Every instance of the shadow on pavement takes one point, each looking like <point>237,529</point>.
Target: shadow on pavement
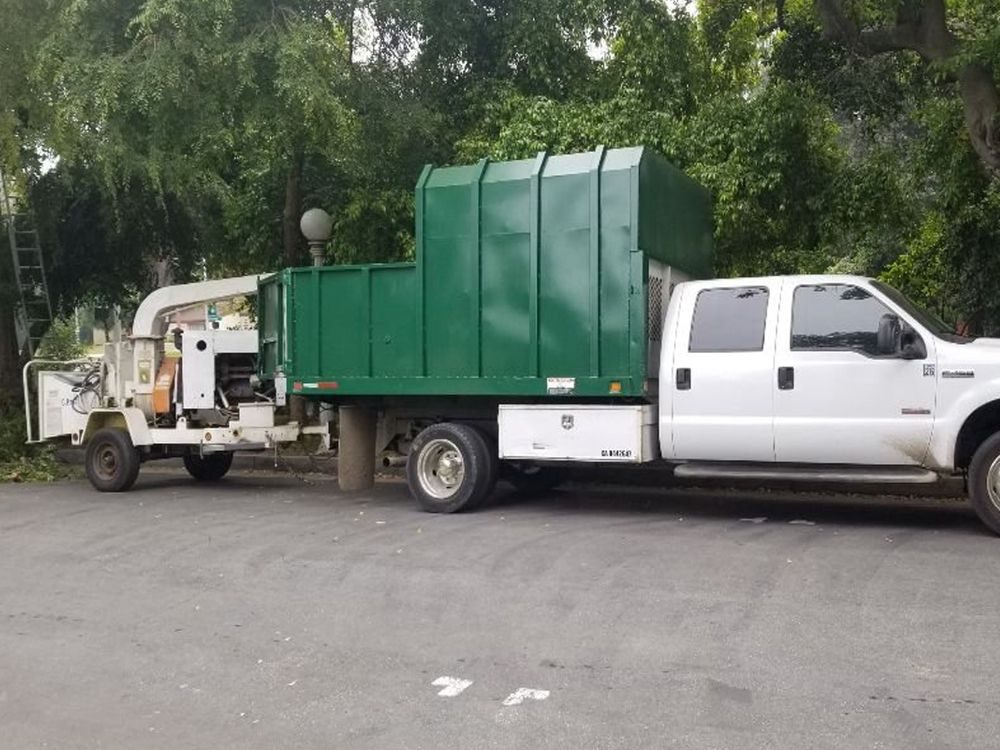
<point>745,505</point>
<point>707,504</point>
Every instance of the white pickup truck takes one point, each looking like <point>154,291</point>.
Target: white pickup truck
<point>827,377</point>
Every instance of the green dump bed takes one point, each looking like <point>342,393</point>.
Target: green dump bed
<point>541,277</point>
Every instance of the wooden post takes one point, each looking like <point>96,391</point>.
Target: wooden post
<point>356,457</point>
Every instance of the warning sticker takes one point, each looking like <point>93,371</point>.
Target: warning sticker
<point>560,386</point>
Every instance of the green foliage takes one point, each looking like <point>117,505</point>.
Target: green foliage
<point>921,271</point>
<point>185,131</point>
<point>20,462</point>
<point>61,342</point>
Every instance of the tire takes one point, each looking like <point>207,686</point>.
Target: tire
<point>492,464</point>
<point>448,468</point>
<point>208,468</point>
<point>532,480</point>
<point>984,482</point>
<point>112,462</point>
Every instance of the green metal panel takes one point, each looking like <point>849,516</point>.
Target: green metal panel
<point>525,270</point>
<point>393,305</point>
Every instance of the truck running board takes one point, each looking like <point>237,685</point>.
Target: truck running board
<point>868,474</point>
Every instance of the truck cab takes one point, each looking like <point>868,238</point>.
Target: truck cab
<point>829,376</point>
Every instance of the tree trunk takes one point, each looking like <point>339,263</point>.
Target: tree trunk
<point>982,107</point>
<point>291,235</point>
<point>10,362</point>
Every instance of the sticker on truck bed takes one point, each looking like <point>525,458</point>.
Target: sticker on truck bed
<point>560,386</point>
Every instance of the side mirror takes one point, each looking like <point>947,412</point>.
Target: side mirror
<point>911,346</point>
<point>889,334</point>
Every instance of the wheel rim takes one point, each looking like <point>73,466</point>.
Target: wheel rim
<point>993,482</point>
<point>440,469</point>
<point>106,461</point>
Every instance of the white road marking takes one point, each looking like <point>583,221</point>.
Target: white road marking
<point>451,686</point>
<point>517,697</point>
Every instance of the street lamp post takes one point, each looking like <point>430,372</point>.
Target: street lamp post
<point>317,227</point>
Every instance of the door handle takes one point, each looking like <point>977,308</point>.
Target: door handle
<point>684,378</point>
<point>786,378</point>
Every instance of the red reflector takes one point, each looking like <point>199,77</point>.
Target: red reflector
<point>297,387</point>
<point>329,385</point>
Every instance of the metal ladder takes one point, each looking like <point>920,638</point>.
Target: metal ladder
<point>33,315</point>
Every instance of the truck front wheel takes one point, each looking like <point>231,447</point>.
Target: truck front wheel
<point>449,468</point>
<point>112,462</point>
<point>210,467</point>
<point>984,482</point>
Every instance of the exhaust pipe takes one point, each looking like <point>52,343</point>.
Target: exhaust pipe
<point>390,460</point>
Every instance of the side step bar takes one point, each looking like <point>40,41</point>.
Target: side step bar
<point>867,474</point>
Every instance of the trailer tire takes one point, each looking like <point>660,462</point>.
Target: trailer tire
<point>449,468</point>
<point>112,461</point>
<point>984,482</point>
<point>210,467</point>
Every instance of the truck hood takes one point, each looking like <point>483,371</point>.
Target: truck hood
<point>982,354</point>
<point>983,343</point>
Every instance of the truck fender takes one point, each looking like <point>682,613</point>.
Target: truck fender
<point>128,418</point>
<point>950,425</point>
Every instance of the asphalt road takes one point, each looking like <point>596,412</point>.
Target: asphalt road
<point>266,613</point>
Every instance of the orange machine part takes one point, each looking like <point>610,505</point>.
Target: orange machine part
<point>164,385</point>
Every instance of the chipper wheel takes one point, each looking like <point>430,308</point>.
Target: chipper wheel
<point>112,461</point>
<point>450,467</point>
<point>210,467</point>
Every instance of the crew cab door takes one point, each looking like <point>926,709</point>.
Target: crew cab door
<point>837,400</point>
<point>717,392</point>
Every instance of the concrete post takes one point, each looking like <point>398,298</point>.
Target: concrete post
<point>356,458</point>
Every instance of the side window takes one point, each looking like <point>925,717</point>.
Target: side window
<point>729,320</point>
<point>836,316</point>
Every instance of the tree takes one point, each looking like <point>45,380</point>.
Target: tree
<point>182,103</point>
<point>921,26</point>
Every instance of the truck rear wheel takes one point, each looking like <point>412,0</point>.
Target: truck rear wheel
<point>984,482</point>
<point>210,467</point>
<point>449,468</point>
<point>112,462</point>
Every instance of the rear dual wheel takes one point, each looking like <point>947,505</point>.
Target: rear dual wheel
<point>451,467</point>
<point>532,479</point>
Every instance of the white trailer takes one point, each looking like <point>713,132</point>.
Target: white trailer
<point>136,403</point>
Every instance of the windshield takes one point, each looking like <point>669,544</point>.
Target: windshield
<point>926,318</point>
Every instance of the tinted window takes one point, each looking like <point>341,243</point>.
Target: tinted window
<point>836,316</point>
<point>729,320</point>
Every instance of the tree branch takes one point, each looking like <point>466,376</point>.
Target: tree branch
<point>922,26</point>
<point>779,20</point>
